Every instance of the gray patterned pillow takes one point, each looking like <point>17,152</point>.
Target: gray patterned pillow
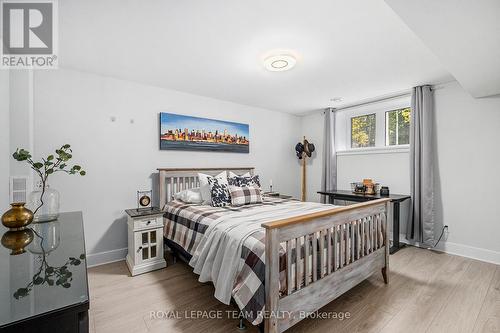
<point>242,181</point>
<point>220,193</point>
<point>233,180</point>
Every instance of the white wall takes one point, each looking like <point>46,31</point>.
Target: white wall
<point>121,157</point>
<point>4,140</point>
<point>467,161</point>
<point>467,170</point>
<point>387,168</point>
<point>21,118</point>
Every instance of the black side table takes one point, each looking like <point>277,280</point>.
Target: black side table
<point>44,285</point>
<point>396,199</point>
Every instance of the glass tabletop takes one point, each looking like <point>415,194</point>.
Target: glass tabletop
<point>44,268</point>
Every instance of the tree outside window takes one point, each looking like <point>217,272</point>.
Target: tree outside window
<point>397,127</point>
<point>363,131</point>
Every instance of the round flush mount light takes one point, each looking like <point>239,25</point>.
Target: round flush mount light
<point>280,63</point>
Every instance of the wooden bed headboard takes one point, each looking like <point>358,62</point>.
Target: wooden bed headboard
<point>173,180</point>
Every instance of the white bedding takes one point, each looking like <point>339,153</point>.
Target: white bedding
<point>217,257</point>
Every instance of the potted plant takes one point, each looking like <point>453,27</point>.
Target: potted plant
<point>44,201</point>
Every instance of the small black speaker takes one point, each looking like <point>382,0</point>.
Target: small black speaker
<point>384,191</point>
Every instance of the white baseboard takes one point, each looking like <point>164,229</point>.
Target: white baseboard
<point>460,250</point>
<point>101,258</point>
<point>106,257</point>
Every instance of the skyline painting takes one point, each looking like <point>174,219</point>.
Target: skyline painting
<point>180,132</point>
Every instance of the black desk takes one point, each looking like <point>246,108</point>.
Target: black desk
<point>43,277</point>
<point>396,199</point>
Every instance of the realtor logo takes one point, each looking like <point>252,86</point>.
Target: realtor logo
<point>29,34</point>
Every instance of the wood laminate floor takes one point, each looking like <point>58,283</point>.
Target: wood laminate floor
<point>428,292</point>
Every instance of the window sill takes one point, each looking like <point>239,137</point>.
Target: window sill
<point>375,150</point>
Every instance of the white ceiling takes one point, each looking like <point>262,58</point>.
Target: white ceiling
<point>465,35</point>
<point>353,49</point>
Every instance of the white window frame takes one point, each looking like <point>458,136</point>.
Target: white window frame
<point>343,126</point>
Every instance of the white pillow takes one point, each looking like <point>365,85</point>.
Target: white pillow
<point>192,195</point>
<point>206,194</point>
<point>232,175</point>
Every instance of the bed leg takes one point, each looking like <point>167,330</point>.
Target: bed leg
<point>241,326</point>
<point>387,217</point>
<point>384,275</point>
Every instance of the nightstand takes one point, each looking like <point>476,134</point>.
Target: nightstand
<point>145,240</point>
<point>276,195</point>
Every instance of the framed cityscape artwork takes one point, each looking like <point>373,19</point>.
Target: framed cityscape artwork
<point>179,132</point>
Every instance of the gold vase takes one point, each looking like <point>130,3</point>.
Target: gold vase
<point>17,240</point>
<point>18,217</point>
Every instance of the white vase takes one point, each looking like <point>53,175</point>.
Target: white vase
<point>50,208</point>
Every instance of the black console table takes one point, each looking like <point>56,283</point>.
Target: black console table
<point>396,199</point>
<point>43,277</point>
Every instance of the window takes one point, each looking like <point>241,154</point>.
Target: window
<point>374,127</point>
<point>363,131</point>
<point>397,127</point>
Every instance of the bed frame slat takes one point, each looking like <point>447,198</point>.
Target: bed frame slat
<point>353,241</point>
<point>322,253</point>
<point>314,257</point>
<point>341,246</point>
<point>347,244</point>
<point>298,276</point>
<point>335,245</point>
<point>307,261</point>
<point>289,285</point>
<point>329,251</point>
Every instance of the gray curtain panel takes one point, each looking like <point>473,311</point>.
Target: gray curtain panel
<point>329,174</point>
<point>421,222</point>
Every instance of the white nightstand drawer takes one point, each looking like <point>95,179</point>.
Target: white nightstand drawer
<point>152,222</point>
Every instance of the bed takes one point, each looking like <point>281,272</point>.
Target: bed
<point>300,257</point>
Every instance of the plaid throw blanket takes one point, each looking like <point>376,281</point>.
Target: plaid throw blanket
<point>185,223</point>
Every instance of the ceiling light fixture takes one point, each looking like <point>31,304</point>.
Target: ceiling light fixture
<point>280,63</point>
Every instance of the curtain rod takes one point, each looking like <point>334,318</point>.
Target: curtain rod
<point>373,100</point>
<point>379,99</point>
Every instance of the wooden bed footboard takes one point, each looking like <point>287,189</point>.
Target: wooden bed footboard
<point>334,251</point>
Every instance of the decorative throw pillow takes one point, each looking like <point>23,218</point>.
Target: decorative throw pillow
<point>248,181</point>
<point>206,194</point>
<point>220,192</point>
<point>189,196</point>
<point>232,179</point>
<point>245,195</point>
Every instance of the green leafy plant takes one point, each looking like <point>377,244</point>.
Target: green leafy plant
<point>49,165</point>
<point>58,276</point>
